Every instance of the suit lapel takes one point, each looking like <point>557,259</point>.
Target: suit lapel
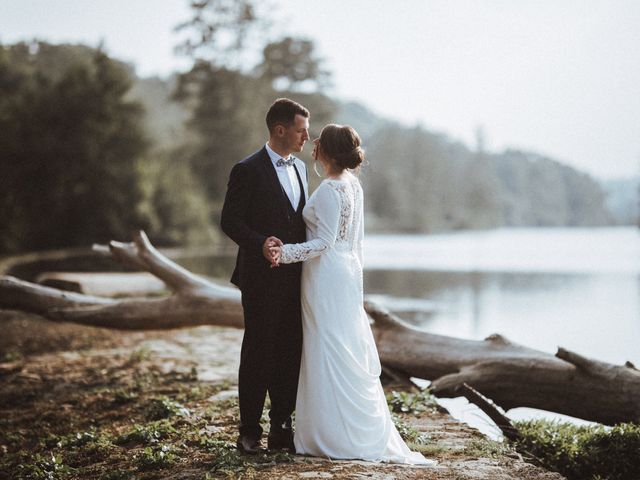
<point>303,179</point>
<point>274,183</point>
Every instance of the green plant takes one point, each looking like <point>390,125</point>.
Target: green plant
<point>411,402</point>
<point>147,434</point>
<point>10,356</point>
<point>486,448</point>
<point>118,474</point>
<point>583,452</point>
<point>121,396</point>
<point>152,458</point>
<point>44,468</point>
<point>82,438</point>
<point>409,433</point>
<point>429,450</point>
<point>227,459</point>
<point>69,440</point>
<point>164,407</point>
<point>139,355</point>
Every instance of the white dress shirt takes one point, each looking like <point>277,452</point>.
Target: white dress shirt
<point>287,176</point>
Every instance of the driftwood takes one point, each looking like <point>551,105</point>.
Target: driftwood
<point>491,410</point>
<point>510,374</point>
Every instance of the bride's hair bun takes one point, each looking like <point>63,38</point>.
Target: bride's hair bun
<point>342,144</point>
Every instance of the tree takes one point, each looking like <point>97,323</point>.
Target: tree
<point>292,63</point>
<point>227,117</point>
<point>222,31</point>
<point>69,148</point>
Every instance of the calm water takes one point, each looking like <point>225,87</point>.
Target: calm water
<point>544,288</point>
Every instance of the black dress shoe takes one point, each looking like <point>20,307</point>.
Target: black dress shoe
<point>249,445</point>
<point>281,439</point>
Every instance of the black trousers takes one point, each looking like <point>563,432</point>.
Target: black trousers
<point>271,351</point>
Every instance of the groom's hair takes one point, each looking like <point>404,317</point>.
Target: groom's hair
<point>283,112</point>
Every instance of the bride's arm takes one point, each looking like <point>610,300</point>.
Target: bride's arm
<point>327,210</point>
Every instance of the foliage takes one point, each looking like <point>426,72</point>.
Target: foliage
<point>416,180</point>
<point>223,30</point>
<point>411,402</point>
<point>227,116</point>
<point>583,452</point>
<point>227,458</point>
<point>485,448</point>
<point>175,202</point>
<point>159,456</point>
<point>147,434</point>
<point>408,432</point>
<point>140,354</point>
<point>10,356</point>
<point>70,144</point>
<point>292,61</point>
<point>118,474</point>
<point>42,467</point>
<point>164,407</point>
<point>539,191</point>
<point>121,395</point>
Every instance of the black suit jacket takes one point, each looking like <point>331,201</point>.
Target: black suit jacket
<point>256,207</point>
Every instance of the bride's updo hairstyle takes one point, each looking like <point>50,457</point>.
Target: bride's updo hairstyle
<point>342,144</point>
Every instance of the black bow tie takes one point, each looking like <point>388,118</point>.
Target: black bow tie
<point>286,162</point>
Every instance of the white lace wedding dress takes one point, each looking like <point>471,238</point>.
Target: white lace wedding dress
<point>341,411</point>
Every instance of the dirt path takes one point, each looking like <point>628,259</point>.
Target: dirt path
<point>88,403</point>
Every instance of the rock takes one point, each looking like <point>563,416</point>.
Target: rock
<point>315,475</point>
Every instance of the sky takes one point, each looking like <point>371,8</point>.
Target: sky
<point>559,77</point>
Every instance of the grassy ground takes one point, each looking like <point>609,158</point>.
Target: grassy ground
<point>86,403</point>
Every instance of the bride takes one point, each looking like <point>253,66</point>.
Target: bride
<point>341,410</point>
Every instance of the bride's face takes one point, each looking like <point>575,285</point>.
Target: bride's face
<point>317,152</point>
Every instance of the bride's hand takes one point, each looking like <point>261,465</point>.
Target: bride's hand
<point>276,253</point>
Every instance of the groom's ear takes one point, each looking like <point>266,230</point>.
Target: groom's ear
<point>279,130</point>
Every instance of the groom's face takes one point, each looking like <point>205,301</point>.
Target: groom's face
<point>297,134</point>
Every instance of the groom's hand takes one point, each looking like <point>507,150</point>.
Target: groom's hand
<point>266,249</point>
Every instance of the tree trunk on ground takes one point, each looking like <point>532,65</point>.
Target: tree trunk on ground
<point>510,374</point>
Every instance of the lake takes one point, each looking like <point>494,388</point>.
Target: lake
<point>544,288</point>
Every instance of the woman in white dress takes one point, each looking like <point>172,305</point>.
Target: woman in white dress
<point>341,410</point>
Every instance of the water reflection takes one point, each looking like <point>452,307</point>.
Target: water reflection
<point>214,266</point>
<point>597,315</point>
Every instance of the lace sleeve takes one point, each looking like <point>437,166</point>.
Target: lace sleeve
<point>327,210</point>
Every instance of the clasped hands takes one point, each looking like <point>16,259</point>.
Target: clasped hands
<point>272,250</point>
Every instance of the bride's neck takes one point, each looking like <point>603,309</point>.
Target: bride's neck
<point>332,171</point>
<point>337,175</point>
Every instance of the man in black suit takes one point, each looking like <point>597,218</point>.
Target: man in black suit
<point>262,208</point>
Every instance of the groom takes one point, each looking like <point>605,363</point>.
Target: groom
<point>263,208</point>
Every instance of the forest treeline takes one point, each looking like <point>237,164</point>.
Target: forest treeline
<point>89,152</point>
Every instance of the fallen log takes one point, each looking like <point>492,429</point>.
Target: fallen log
<point>510,374</point>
